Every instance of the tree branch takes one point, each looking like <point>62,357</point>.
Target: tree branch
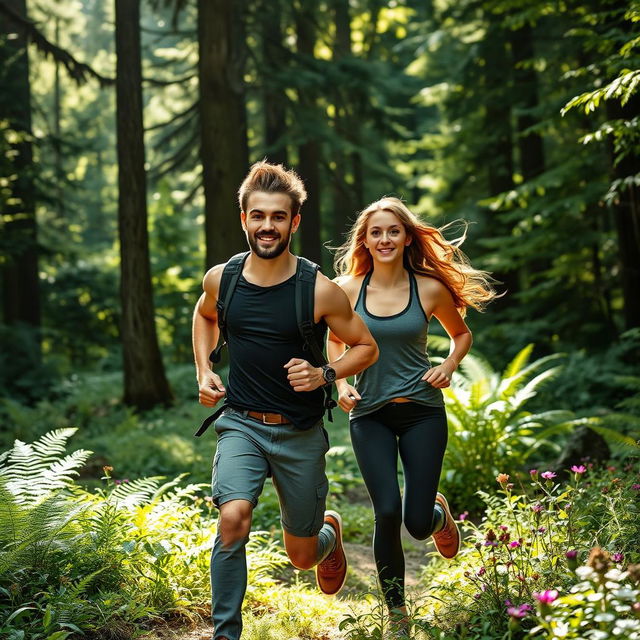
<point>78,71</point>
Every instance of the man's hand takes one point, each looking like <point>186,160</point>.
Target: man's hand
<point>440,376</point>
<point>210,389</point>
<point>302,376</point>
<point>348,397</point>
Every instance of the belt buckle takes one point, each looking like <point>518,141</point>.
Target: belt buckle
<point>265,421</point>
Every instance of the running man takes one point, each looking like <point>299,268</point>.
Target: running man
<point>271,420</point>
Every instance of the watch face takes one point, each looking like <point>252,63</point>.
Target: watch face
<point>329,374</point>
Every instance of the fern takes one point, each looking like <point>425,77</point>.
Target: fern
<point>31,472</point>
<point>490,425</point>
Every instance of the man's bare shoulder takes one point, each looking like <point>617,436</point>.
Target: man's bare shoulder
<point>211,280</point>
<point>349,284</point>
<point>329,297</point>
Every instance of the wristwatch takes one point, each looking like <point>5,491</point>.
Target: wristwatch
<point>329,374</point>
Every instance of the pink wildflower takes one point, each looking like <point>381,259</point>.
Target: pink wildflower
<point>548,475</point>
<point>578,469</point>
<point>515,544</point>
<point>546,597</point>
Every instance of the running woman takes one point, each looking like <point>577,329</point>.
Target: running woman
<point>398,272</point>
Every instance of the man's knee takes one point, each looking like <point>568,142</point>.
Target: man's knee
<point>302,552</point>
<point>234,521</point>
<point>304,558</point>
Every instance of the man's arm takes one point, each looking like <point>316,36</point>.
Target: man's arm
<point>205,337</point>
<point>333,306</point>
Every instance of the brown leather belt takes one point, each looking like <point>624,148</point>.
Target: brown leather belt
<point>268,418</point>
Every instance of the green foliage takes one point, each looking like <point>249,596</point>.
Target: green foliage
<point>489,422</point>
<point>532,538</point>
<point>602,605</point>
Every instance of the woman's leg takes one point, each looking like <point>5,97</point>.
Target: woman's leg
<point>422,438</point>
<point>376,449</point>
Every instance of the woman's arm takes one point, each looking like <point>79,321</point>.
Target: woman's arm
<point>440,304</point>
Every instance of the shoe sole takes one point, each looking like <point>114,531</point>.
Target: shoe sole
<point>447,515</point>
<point>338,518</point>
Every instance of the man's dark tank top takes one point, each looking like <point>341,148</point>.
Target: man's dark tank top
<point>262,337</point>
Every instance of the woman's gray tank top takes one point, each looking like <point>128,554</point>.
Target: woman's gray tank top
<point>403,359</point>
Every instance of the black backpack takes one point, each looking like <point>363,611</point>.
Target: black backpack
<point>306,272</point>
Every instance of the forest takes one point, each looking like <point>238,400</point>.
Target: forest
<point>126,128</point>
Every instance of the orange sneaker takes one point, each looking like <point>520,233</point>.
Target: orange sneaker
<point>447,540</point>
<point>331,573</point>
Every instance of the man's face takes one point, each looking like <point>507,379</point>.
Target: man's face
<point>268,223</point>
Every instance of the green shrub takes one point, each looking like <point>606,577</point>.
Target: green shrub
<point>532,537</point>
<point>489,422</point>
<point>603,605</point>
<point>102,561</point>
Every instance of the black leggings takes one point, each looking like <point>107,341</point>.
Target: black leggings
<point>419,433</point>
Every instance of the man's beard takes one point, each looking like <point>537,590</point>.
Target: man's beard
<point>268,253</point>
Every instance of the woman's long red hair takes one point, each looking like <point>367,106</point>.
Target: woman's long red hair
<point>429,254</point>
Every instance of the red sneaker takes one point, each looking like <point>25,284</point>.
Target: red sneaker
<point>447,540</point>
<point>331,573</point>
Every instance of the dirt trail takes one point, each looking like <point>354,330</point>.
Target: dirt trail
<point>361,577</point>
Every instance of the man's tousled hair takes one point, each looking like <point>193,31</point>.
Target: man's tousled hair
<point>272,178</point>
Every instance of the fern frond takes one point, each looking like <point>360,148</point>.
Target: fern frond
<point>530,389</point>
<point>521,359</point>
<point>509,385</point>
<point>33,471</point>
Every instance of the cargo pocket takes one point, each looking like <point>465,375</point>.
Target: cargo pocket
<point>215,493</point>
<point>321,503</point>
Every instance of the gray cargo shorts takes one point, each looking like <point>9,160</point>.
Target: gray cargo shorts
<point>248,451</point>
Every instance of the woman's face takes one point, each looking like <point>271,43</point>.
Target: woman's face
<point>385,237</point>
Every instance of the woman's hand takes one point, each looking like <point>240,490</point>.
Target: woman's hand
<point>348,397</point>
<point>440,376</point>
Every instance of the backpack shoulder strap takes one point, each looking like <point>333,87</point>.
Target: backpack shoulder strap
<point>228,281</point>
<point>306,274</point>
<point>305,289</point>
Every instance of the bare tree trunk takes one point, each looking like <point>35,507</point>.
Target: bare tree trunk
<point>525,86</point>
<point>274,98</point>
<point>345,203</point>
<point>309,151</point>
<point>626,214</point>
<point>20,284</point>
<point>145,383</point>
<point>223,149</point>
<point>499,152</point>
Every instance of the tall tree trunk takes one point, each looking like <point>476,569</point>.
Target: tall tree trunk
<point>525,87</point>
<point>273,95</point>
<point>309,151</point>
<point>145,383</point>
<point>499,152</point>
<point>223,147</point>
<point>626,214</point>
<point>20,285</point>
<point>57,129</point>
<point>345,203</point>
